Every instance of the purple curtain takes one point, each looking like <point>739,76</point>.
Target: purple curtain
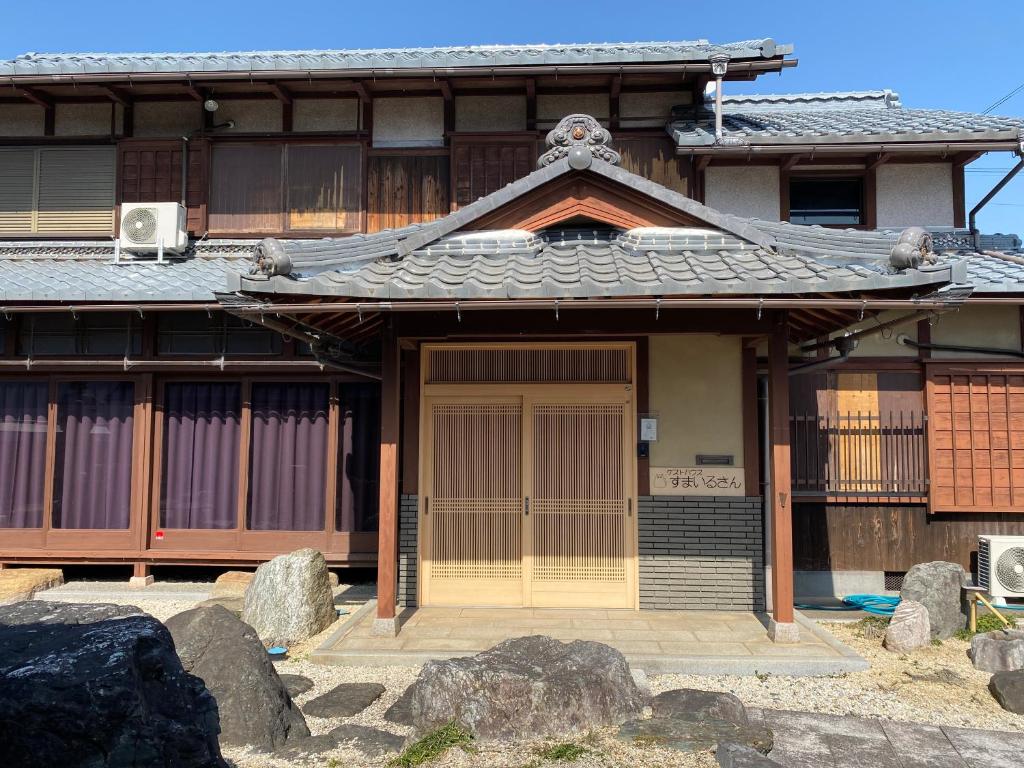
<point>288,469</point>
<point>94,454</point>
<point>22,453</point>
<point>199,483</point>
<point>359,458</point>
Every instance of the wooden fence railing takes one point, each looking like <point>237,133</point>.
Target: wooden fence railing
<point>860,454</point>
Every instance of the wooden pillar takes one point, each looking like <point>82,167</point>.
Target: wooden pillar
<point>387,537</point>
<point>782,627</point>
<point>141,575</point>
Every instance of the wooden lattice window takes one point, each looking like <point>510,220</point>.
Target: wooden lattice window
<point>512,364</point>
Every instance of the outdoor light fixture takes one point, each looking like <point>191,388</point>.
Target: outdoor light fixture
<point>210,105</point>
<point>719,64</point>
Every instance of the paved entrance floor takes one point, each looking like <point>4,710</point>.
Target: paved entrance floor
<point>804,740</point>
<point>658,642</point>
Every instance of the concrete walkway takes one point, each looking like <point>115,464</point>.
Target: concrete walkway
<point>804,740</point>
<point>658,642</point>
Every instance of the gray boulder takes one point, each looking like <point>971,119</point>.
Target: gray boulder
<point>254,705</point>
<point>1008,689</point>
<point>732,755</point>
<point>290,599</point>
<point>527,687</point>
<point>401,711</point>
<point>296,684</point>
<point>98,686</point>
<point>937,585</point>
<point>998,651</point>
<point>908,629</point>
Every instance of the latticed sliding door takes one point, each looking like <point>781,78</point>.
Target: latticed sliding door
<point>579,536</point>
<point>472,550</point>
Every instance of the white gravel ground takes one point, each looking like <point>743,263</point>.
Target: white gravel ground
<point>936,685</point>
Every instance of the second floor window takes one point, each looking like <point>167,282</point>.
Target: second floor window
<point>272,187</point>
<point>827,201</point>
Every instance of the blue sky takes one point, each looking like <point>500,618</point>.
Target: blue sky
<point>939,54</point>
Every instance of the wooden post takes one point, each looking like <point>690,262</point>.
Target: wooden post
<point>782,628</point>
<point>387,537</point>
<point>141,576</point>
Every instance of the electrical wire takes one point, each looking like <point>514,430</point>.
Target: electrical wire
<point>1005,98</point>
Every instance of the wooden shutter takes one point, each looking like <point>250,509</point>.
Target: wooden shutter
<point>976,437</point>
<point>151,173</point>
<point>485,167</point>
<point>246,189</point>
<point>324,187</point>
<point>76,190</point>
<point>405,189</point>
<point>17,191</point>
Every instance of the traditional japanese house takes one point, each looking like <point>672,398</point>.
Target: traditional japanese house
<point>520,326</point>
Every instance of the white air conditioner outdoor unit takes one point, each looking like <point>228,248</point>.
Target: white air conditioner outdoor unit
<point>151,227</point>
<point>1001,565</point>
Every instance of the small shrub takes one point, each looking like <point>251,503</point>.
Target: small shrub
<point>871,626</point>
<point>562,753</point>
<point>762,676</point>
<point>433,745</point>
<point>987,622</point>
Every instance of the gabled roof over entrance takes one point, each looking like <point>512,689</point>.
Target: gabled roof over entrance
<point>582,227</point>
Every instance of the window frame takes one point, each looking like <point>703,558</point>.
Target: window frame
<point>866,175</point>
<point>282,144</point>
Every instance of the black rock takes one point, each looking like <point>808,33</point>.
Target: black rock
<point>98,685</point>
<point>528,687</point>
<point>296,684</point>
<point>401,711</point>
<point>345,700</point>
<point>254,705</point>
<point>1008,690</point>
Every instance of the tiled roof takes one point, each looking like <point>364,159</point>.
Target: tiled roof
<point>834,118</point>
<point>85,272</point>
<point>48,64</point>
<point>575,264</point>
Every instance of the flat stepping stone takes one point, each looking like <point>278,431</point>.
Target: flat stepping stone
<point>693,704</point>
<point>401,711</point>
<point>369,741</point>
<point>694,735</point>
<point>232,604</point>
<point>729,755</point>
<point>296,684</point>
<point>344,701</point>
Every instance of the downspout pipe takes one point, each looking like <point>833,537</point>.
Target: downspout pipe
<point>971,221</point>
<point>909,342</point>
<point>719,66</point>
<point>817,365</point>
<point>184,172</point>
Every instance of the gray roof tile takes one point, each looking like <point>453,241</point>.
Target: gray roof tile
<point>50,64</point>
<point>842,117</point>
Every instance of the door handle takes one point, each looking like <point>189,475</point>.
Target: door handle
<point>526,506</point>
<point>629,506</point>
<point>426,506</point>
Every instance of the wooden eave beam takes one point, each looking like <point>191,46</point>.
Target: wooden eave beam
<point>882,159</point>
<point>791,161</point>
<point>283,94</point>
<point>117,96</point>
<point>37,98</point>
<point>361,91</point>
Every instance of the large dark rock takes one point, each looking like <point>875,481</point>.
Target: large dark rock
<point>344,700</point>
<point>527,687</point>
<point>225,653</point>
<point>998,651</point>
<point>1008,690</point>
<point>401,711</point>
<point>938,586</point>
<point>290,598</point>
<point>98,685</point>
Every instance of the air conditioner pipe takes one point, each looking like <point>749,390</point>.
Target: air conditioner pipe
<point>909,342</point>
<point>971,223</point>
<point>817,365</point>
<point>857,335</point>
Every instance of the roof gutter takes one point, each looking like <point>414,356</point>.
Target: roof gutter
<point>909,342</point>
<point>971,221</point>
<point>947,147</point>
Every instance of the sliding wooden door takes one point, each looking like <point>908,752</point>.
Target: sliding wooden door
<point>528,498</point>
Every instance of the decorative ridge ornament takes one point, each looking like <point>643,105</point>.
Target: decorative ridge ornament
<point>580,138</point>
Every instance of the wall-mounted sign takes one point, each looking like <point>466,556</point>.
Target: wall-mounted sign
<point>649,430</point>
<point>697,481</point>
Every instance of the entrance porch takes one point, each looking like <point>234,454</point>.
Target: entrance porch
<point>658,642</point>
